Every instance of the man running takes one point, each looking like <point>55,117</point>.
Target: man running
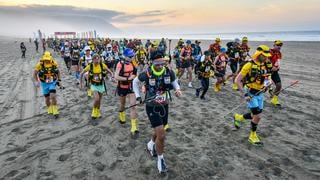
<point>255,75</point>
<point>186,62</point>
<point>275,60</point>
<point>204,71</point>
<point>220,66</point>
<point>159,80</point>
<point>46,74</point>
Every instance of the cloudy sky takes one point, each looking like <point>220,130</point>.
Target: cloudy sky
<point>154,17</point>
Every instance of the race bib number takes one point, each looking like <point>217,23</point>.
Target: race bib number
<point>160,98</point>
<point>167,80</point>
<point>207,69</point>
<point>236,55</point>
<point>152,82</point>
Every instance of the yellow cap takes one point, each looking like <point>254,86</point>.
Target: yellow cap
<point>218,40</point>
<point>155,43</point>
<point>278,42</point>
<point>244,39</point>
<point>262,49</point>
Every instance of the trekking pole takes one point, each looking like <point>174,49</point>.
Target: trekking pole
<point>235,108</point>
<point>292,84</point>
<point>148,99</point>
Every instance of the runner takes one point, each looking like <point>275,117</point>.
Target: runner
<point>233,52</point>
<point>75,57</point>
<point>23,50</point>
<point>159,81</point>
<point>125,73</point>
<point>204,71</point>
<point>46,74</point>
<point>186,62</point>
<point>220,65</point>
<point>275,60</point>
<point>85,61</point>
<point>256,77</point>
<point>97,72</point>
<point>214,48</point>
<point>65,53</point>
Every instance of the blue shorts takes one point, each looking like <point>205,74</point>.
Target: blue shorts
<point>97,88</point>
<point>256,100</point>
<point>48,87</point>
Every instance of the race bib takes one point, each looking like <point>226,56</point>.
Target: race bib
<point>167,80</point>
<point>152,82</point>
<point>160,98</point>
<point>207,69</point>
<point>236,55</point>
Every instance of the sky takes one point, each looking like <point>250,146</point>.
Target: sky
<point>154,17</point>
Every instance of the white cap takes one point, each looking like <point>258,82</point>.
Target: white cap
<point>87,48</point>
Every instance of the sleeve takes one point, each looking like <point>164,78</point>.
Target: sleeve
<point>118,67</point>
<point>87,68</point>
<point>56,63</point>
<point>143,76</point>
<point>37,67</point>
<point>104,66</point>
<point>135,70</point>
<point>245,69</point>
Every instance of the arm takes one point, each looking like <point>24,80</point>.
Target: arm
<point>238,81</point>
<point>135,85</point>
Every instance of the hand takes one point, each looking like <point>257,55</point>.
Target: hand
<point>37,84</point>
<point>274,68</point>
<point>139,100</point>
<point>178,93</point>
<point>247,97</point>
<point>131,77</point>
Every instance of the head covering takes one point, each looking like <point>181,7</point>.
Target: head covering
<point>188,42</point>
<point>87,48</point>
<point>244,39</point>
<point>155,43</point>
<point>46,56</point>
<point>218,40</point>
<point>197,42</point>
<point>128,52</point>
<point>224,50</point>
<point>157,57</point>
<point>262,49</point>
<point>278,42</point>
<point>237,40</point>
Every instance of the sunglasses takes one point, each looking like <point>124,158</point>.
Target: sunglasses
<point>279,45</point>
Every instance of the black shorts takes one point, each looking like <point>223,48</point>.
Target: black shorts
<point>220,73</point>
<point>158,115</point>
<point>74,63</point>
<point>233,66</point>
<point>110,64</point>
<point>275,77</point>
<point>123,92</point>
<point>185,64</point>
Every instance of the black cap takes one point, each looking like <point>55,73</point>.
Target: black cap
<point>156,55</point>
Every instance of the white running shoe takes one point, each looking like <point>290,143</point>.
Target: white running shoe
<point>151,146</point>
<point>162,166</point>
<point>190,85</point>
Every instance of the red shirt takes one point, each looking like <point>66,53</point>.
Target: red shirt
<point>185,52</point>
<point>275,57</point>
<point>214,48</point>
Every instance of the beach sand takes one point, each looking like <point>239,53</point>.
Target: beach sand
<point>201,145</point>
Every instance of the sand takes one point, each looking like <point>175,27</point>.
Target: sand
<point>201,145</point>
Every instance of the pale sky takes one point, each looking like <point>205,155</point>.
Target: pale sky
<point>180,16</point>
